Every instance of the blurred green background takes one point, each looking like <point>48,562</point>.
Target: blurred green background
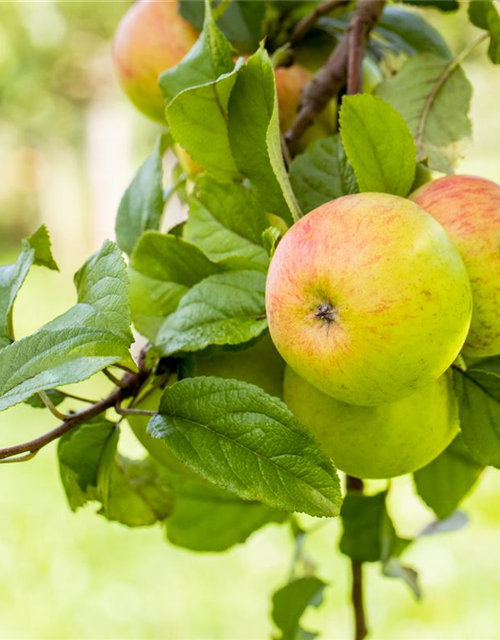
<point>69,144</point>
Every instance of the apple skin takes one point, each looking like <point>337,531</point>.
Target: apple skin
<point>290,82</point>
<point>260,365</point>
<point>367,299</point>
<point>151,37</point>
<point>372,75</point>
<point>469,210</point>
<point>378,442</point>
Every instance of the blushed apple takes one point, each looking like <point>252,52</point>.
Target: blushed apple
<point>378,442</point>
<point>469,210</point>
<point>151,37</point>
<point>367,298</point>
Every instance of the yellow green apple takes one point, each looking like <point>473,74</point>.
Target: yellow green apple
<point>372,75</point>
<point>260,365</point>
<point>151,37</point>
<point>368,299</point>
<point>469,209</point>
<point>378,442</point>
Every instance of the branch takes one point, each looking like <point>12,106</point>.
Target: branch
<point>307,22</point>
<point>363,20</point>
<point>360,628</point>
<point>131,383</point>
<point>332,76</point>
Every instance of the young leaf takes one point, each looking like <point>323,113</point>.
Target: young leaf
<point>162,269</point>
<point>369,536</point>
<point>290,603</point>
<point>409,32</point>
<point>35,250</point>
<point>207,518</point>
<point>241,22</point>
<point>136,493</point>
<point>255,139</point>
<point>227,222</point>
<point>80,454</point>
<point>87,338</point>
<point>445,482</point>
<point>210,58</point>
<point>478,393</point>
<point>197,92</point>
<point>483,14</point>
<point>141,206</point>
<point>235,435</point>
<point>224,309</point>
<point>434,98</point>
<point>322,173</point>
<point>378,144</point>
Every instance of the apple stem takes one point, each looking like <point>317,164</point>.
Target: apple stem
<point>357,597</point>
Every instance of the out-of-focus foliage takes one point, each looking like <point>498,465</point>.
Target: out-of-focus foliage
<point>51,68</point>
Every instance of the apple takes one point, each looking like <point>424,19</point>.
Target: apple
<point>260,365</point>
<point>469,210</point>
<point>372,75</point>
<point>367,298</point>
<point>151,37</point>
<point>378,442</point>
<point>290,82</point>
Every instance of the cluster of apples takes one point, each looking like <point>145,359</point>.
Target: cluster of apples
<point>153,37</point>
<point>370,299</point>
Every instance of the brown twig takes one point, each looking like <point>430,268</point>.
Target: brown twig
<point>308,21</point>
<point>360,628</point>
<point>131,384</point>
<point>363,20</point>
<point>332,76</point>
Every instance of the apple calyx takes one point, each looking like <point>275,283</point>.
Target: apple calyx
<point>325,312</point>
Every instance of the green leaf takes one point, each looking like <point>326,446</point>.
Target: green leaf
<point>162,269</point>
<point>255,139</point>
<point>198,120</point>
<point>102,285</point>
<point>141,206</point>
<point>87,338</point>
<point>224,309</point>
<point>197,91</point>
<point>483,14</point>
<point>80,454</point>
<point>378,144</point>
<point>242,21</point>
<point>443,5</point>
<point>55,396</point>
<point>434,99</point>
<point>409,32</point>
<point>227,222</point>
<point>210,57</point>
<point>394,569</point>
<point>136,493</point>
<point>369,536</point>
<point>290,603</point>
<point>322,173</point>
<point>478,393</point>
<point>206,518</point>
<point>235,435</point>
<point>35,250</point>
<point>445,482</point>
<point>455,522</point>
